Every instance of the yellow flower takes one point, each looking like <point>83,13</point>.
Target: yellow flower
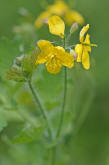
<point>58,8</point>
<point>82,32</point>
<point>56,26</point>
<point>42,17</point>
<point>54,57</point>
<point>84,48</point>
<point>72,16</point>
<point>61,9</point>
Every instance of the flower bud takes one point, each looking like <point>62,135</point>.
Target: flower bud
<point>29,61</point>
<point>15,74</point>
<point>73,53</point>
<point>18,60</point>
<point>45,20</point>
<point>74,27</point>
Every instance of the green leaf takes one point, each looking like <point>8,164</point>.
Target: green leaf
<point>28,134</point>
<point>8,52</point>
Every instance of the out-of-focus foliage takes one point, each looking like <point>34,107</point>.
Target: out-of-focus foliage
<point>8,51</point>
<point>88,93</point>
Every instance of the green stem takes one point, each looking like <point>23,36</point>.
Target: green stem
<point>62,111</point>
<point>61,117</point>
<point>42,108</point>
<point>53,156</point>
<point>63,104</point>
<point>64,42</point>
<point>64,96</point>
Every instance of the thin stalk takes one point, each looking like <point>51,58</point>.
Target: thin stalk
<point>68,37</point>
<point>42,108</point>
<point>64,42</point>
<point>62,112</point>
<point>61,117</point>
<point>53,156</point>
<point>64,97</point>
<point>63,104</point>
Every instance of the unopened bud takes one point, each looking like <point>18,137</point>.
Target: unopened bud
<point>74,27</point>
<point>45,20</point>
<point>18,60</point>
<point>73,53</point>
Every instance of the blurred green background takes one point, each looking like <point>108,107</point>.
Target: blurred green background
<point>91,146</point>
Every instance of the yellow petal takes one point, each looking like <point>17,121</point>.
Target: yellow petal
<point>56,26</point>
<point>72,16</point>
<point>59,8</point>
<point>86,60</point>
<point>78,17</point>
<point>60,48</point>
<point>65,58</point>
<point>41,59</point>
<point>79,50</point>
<point>68,17</point>
<point>82,32</point>
<point>40,20</point>
<point>87,41</point>
<point>53,65</point>
<point>44,45</point>
<point>45,48</point>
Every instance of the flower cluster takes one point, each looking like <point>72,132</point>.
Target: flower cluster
<point>61,9</point>
<point>56,56</point>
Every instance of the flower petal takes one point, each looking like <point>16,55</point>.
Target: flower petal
<point>87,41</point>
<point>72,16</point>
<point>65,58</point>
<point>86,60</point>
<point>40,20</point>
<point>82,32</point>
<point>45,48</point>
<point>44,45</point>
<point>68,17</point>
<point>79,50</point>
<point>56,26</point>
<point>60,48</point>
<point>78,17</point>
<point>53,65</point>
<point>41,58</point>
<point>59,8</point>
